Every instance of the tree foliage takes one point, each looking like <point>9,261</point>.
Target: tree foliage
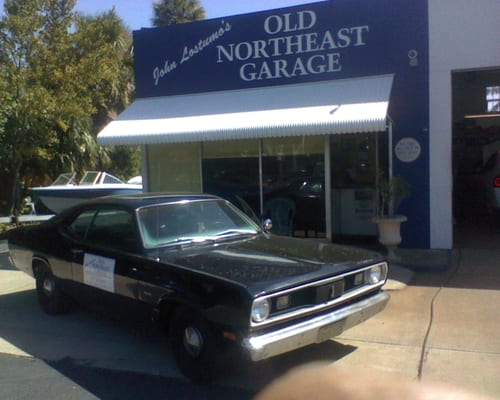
<point>63,76</point>
<point>168,12</point>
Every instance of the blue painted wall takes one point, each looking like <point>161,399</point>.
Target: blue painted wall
<point>327,40</point>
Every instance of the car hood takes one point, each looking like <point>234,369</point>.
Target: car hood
<point>267,263</point>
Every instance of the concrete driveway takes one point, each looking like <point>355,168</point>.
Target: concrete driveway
<point>442,327</point>
<point>438,326</point>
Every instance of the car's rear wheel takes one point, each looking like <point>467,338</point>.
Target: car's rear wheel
<point>51,298</point>
<point>196,345</point>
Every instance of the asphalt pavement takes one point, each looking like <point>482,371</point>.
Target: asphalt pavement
<point>441,324</point>
<point>31,378</point>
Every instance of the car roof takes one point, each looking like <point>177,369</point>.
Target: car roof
<point>137,200</point>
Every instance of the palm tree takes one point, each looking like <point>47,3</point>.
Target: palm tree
<point>168,12</point>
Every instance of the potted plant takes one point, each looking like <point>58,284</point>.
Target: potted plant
<point>391,192</point>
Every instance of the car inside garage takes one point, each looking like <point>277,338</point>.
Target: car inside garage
<point>476,157</point>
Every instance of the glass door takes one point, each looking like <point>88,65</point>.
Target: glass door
<point>356,160</point>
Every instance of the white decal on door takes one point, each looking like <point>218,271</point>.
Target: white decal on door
<point>99,272</point>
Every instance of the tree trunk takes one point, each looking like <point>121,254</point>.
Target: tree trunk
<point>16,201</point>
<point>6,184</point>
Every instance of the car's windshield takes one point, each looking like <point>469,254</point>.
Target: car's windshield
<point>192,221</point>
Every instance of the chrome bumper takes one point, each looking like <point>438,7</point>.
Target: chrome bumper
<point>315,330</point>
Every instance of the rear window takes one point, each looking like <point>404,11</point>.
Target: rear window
<point>106,227</point>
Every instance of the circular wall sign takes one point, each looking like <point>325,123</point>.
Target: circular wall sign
<point>407,149</point>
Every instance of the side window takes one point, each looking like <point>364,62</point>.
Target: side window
<point>113,228</point>
<point>80,225</point>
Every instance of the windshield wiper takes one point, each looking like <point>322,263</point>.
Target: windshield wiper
<point>190,240</point>
<point>234,232</point>
<point>186,240</point>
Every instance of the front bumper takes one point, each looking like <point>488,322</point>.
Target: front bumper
<point>315,330</point>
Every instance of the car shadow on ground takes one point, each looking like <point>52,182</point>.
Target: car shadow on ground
<point>257,375</point>
<point>5,264</point>
<point>7,268</point>
<point>112,384</point>
<point>83,342</point>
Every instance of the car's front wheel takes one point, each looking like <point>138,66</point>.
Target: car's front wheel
<point>196,345</point>
<point>51,298</point>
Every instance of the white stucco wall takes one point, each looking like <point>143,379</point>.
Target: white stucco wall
<point>463,34</point>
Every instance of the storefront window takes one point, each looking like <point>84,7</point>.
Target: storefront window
<point>293,184</point>
<point>356,160</point>
<point>293,179</point>
<point>174,167</point>
<point>231,170</point>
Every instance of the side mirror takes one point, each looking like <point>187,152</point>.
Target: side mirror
<point>267,225</point>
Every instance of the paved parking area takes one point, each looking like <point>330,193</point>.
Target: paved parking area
<point>442,327</point>
<point>437,327</point>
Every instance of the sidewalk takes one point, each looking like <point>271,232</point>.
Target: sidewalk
<point>443,326</point>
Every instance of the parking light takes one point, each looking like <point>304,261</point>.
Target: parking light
<point>282,302</point>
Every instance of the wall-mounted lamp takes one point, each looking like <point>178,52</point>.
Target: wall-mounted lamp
<point>413,57</point>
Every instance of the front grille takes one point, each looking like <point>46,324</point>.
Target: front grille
<point>317,296</point>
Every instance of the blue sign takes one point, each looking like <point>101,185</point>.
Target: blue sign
<point>317,41</point>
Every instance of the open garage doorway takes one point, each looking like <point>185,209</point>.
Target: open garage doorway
<point>476,157</point>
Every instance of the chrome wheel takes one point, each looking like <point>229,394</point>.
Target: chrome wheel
<point>193,341</point>
<point>50,295</point>
<point>49,285</point>
<point>195,344</point>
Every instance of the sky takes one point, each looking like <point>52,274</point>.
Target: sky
<point>137,14</point>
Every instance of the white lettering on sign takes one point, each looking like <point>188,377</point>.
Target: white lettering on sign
<point>264,58</point>
<point>291,45</point>
<point>290,23</point>
<point>168,67</point>
<point>190,51</point>
<point>316,64</point>
<point>288,35</point>
<point>99,272</point>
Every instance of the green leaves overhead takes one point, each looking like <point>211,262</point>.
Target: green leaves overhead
<point>63,76</point>
<point>168,12</point>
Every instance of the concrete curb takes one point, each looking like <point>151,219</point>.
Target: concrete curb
<point>421,260</point>
<point>398,277</point>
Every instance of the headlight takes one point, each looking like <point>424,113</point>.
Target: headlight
<point>260,310</point>
<point>375,274</point>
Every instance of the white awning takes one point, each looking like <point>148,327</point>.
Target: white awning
<point>320,108</point>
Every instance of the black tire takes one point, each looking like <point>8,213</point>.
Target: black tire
<point>51,298</point>
<point>196,346</point>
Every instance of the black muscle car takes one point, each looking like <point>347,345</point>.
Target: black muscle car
<point>205,270</point>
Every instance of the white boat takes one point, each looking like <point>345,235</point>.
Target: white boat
<point>65,192</point>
